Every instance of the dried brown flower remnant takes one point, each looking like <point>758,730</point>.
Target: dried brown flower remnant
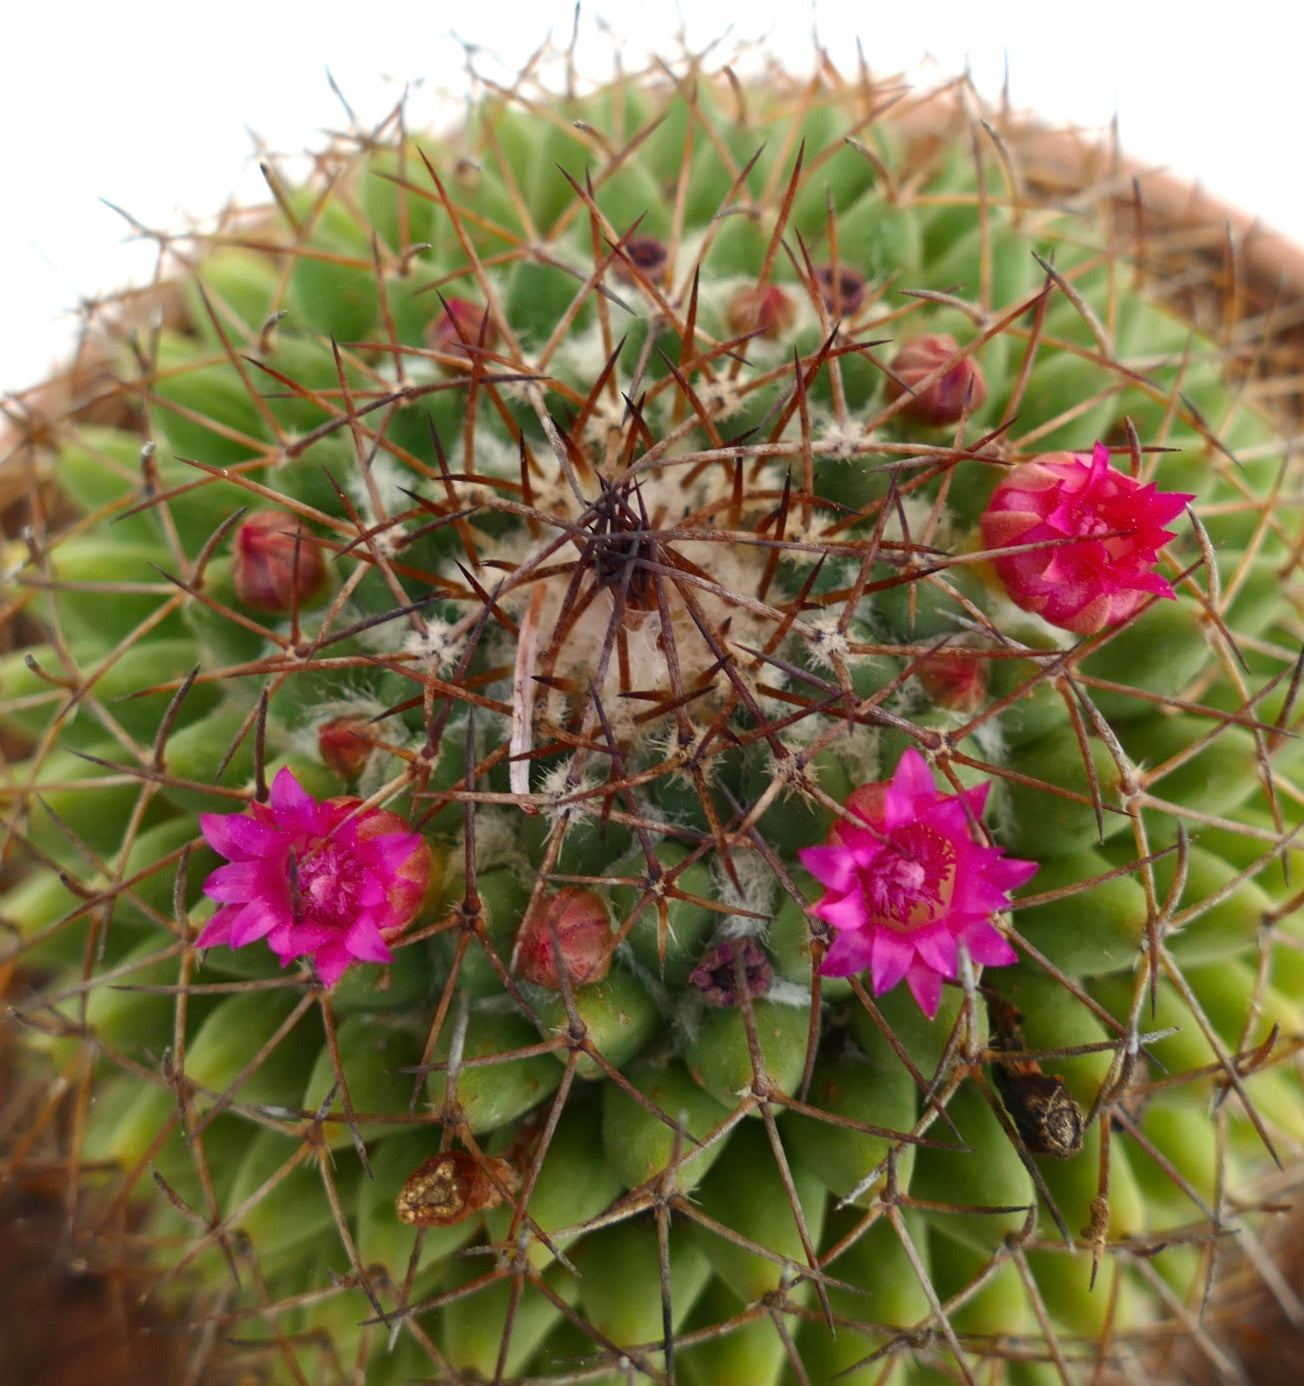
<point>647,254</point>
<point>843,291</point>
<point>1048,1120</point>
<point>717,975</point>
<point>453,1186</point>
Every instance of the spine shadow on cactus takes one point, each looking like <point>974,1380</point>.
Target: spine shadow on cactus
<point>601,492</point>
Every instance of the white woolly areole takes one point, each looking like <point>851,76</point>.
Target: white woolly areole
<point>556,795</point>
<point>845,439</point>
<point>378,491</point>
<point>751,887</point>
<point>492,456</point>
<point>638,659</point>
<point>827,643</point>
<point>437,647</point>
<point>497,841</point>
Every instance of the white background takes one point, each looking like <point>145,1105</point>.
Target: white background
<point>160,108</point>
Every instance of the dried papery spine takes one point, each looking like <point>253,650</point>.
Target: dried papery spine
<point>522,1043</point>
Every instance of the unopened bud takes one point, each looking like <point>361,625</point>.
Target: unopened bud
<point>578,919</point>
<point>764,312</point>
<point>345,744</point>
<point>461,328</point>
<point>843,292</point>
<point>646,253</point>
<point>735,960</point>
<point>943,400</point>
<point>955,676</point>
<point>278,566</point>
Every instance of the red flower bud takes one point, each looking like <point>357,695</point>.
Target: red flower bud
<point>345,744</point>
<point>461,328</point>
<point>945,398</point>
<point>278,565</point>
<point>955,676</point>
<point>583,932</point>
<point>765,312</point>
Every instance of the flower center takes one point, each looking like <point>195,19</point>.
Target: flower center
<point>910,880</point>
<point>330,883</point>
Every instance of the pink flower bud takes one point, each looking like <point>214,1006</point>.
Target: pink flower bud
<point>844,295</point>
<point>345,745</point>
<point>330,881</point>
<point>944,399</point>
<point>764,312</point>
<point>278,565</point>
<point>647,253</point>
<point>583,931</point>
<point>461,328</point>
<point>1076,540</point>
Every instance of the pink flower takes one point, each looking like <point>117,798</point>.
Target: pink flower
<point>1116,524</point>
<point>319,880</point>
<point>913,884</point>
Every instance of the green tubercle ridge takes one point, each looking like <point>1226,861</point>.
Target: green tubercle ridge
<point>636,567</point>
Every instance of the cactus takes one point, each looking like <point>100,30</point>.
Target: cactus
<point>488,638</point>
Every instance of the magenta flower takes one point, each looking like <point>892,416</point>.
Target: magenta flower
<point>319,880</point>
<point>1117,526</point>
<point>909,887</point>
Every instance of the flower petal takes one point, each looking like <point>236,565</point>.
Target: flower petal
<point>892,956</point>
<point>936,947</point>
<point>255,921</point>
<point>926,987</point>
<point>849,953</point>
<point>834,867</point>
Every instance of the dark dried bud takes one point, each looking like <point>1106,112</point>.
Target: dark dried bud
<point>345,745</point>
<point>959,388</point>
<point>278,565</point>
<point>583,931</point>
<point>462,328</point>
<point>1044,1113</point>
<point>843,293</point>
<point>449,1188</point>
<point>717,976</point>
<point>955,676</point>
<point>646,253</point>
<point>764,312</point>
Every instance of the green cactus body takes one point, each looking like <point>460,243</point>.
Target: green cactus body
<point>636,569</point>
